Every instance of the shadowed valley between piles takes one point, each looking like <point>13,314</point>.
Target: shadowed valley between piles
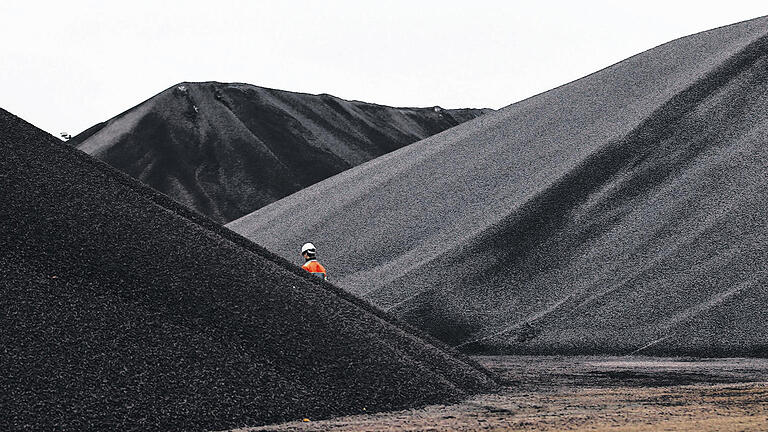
<point>121,309</point>
<point>225,150</point>
<point>623,212</point>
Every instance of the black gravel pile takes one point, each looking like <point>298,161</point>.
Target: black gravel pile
<point>225,150</point>
<point>122,310</point>
<point>623,212</point>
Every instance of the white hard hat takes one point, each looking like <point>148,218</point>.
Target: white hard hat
<point>307,247</point>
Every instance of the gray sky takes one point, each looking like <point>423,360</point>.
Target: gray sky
<point>70,64</point>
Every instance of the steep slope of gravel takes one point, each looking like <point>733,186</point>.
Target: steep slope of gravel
<point>624,211</point>
<point>225,149</point>
<point>122,310</point>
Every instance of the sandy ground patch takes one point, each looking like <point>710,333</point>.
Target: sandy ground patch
<point>590,394</point>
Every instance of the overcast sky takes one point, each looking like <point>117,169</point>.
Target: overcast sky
<point>70,64</point>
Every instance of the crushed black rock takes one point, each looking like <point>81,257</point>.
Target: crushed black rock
<point>624,212</point>
<point>122,310</point>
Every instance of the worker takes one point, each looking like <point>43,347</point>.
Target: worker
<point>311,265</point>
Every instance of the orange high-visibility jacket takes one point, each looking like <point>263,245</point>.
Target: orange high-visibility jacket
<point>315,268</point>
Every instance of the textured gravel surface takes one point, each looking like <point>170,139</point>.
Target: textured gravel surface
<point>622,212</point>
<point>122,310</point>
<point>226,150</point>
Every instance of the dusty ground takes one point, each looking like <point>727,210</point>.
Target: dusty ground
<point>590,393</point>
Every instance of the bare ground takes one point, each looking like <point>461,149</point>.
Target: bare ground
<point>589,394</point>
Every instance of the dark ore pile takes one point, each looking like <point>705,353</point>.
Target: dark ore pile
<point>227,149</point>
<point>122,310</point>
<point>623,212</point>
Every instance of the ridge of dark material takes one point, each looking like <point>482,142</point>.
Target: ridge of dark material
<point>227,149</point>
<point>617,214</point>
<point>84,135</point>
<point>124,310</point>
<point>544,215</point>
<point>241,241</point>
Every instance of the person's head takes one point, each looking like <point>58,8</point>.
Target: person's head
<point>308,251</point>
